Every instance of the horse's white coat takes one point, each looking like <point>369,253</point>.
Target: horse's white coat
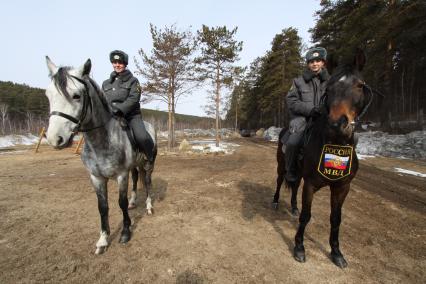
<point>107,152</point>
<point>148,205</point>
<point>103,240</point>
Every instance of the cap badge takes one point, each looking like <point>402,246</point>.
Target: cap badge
<point>116,56</point>
<point>315,54</point>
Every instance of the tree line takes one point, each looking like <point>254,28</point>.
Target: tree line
<point>23,109</point>
<point>390,32</point>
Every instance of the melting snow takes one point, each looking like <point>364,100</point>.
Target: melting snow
<point>13,140</point>
<point>209,146</point>
<point>404,171</point>
<point>411,145</point>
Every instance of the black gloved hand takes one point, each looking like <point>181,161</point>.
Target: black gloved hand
<point>315,112</point>
<point>115,110</point>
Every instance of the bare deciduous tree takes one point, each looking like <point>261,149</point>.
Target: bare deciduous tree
<point>168,73</point>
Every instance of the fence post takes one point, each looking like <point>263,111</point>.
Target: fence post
<point>79,144</point>
<point>39,139</point>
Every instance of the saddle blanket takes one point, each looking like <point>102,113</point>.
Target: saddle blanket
<point>335,162</point>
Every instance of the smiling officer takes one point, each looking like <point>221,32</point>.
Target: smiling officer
<point>123,92</point>
<point>303,102</point>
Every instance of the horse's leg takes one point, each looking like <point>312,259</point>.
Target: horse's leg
<point>100,185</point>
<point>280,179</point>
<point>145,175</point>
<point>135,176</point>
<point>294,188</point>
<point>305,216</point>
<point>338,195</point>
<point>123,184</point>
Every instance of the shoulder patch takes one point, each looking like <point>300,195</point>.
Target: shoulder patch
<point>138,87</point>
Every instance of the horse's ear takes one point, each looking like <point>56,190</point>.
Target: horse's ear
<point>359,60</point>
<point>51,66</point>
<point>87,67</point>
<point>84,69</point>
<point>331,63</point>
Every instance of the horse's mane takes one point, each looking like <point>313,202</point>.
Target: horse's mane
<point>60,80</point>
<point>98,90</point>
<point>339,72</point>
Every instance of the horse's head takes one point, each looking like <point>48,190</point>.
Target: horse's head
<point>67,99</point>
<point>347,96</point>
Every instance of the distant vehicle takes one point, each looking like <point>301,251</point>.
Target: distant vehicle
<point>245,133</point>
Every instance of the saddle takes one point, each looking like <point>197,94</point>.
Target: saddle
<point>307,133</point>
<point>129,131</point>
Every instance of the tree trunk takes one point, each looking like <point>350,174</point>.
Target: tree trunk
<point>402,91</point>
<point>236,115</point>
<point>217,105</point>
<point>173,122</point>
<point>169,125</point>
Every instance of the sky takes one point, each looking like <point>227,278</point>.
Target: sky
<point>70,32</point>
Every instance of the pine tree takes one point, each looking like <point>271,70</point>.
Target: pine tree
<point>219,51</point>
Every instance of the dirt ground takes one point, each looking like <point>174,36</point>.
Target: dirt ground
<point>212,223</point>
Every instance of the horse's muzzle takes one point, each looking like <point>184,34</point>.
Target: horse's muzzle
<point>61,143</point>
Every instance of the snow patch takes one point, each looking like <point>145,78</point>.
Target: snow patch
<point>272,133</point>
<point>209,146</point>
<point>404,171</point>
<point>224,133</point>
<point>13,140</point>
<point>411,145</point>
<point>363,157</point>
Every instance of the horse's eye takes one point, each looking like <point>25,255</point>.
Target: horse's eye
<point>76,97</point>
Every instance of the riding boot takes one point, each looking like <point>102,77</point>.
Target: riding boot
<point>144,141</point>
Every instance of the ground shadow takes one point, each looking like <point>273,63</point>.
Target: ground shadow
<point>189,277</point>
<point>258,201</point>
<point>159,192</point>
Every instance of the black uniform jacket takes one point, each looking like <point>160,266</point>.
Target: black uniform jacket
<point>124,91</point>
<point>304,95</point>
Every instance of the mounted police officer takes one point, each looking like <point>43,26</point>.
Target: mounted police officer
<point>123,92</point>
<point>303,101</point>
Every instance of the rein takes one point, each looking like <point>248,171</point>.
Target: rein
<point>86,104</point>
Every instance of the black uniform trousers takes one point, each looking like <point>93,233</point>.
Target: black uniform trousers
<point>143,139</point>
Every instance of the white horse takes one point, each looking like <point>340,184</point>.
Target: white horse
<point>78,105</point>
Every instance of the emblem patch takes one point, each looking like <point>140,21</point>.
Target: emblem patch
<point>315,54</point>
<point>116,56</point>
<point>335,162</point>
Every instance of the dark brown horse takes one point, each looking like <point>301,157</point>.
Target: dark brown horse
<point>329,152</point>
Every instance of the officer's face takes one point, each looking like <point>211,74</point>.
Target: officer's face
<point>118,66</point>
<point>315,65</point>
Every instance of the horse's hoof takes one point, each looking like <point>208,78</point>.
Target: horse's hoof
<point>339,260</point>
<point>149,211</point>
<point>125,238</point>
<point>295,212</point>
<point>299,254</point>
<point>275,205</point>
<point>100,250</point>
<point>131,206</point>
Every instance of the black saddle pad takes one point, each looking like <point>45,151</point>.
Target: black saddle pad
<point>307,133</point>
<point>129,131</point>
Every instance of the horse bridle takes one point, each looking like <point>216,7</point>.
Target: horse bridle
<point>366,89</point>
<point>86,104</point>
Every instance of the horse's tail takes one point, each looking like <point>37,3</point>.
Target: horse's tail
<point>280,145</point>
